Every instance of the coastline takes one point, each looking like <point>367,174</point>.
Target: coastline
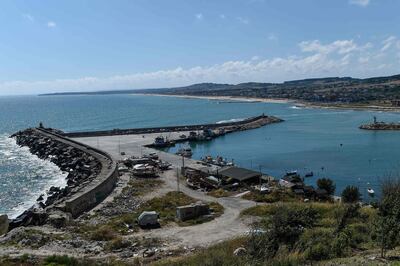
<point>303,104</point>
<point>224,98</point>
<point>53,177</point>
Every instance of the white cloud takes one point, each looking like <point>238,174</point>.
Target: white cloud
<point>28,17</point>
<point>362,3</point>
<point>387,43</point>
<point>199,16</point>
<point>243,20</point>
<point>339,46</point>
<point>222,16</point>
<point>51,24</point>
<point>338,58</point>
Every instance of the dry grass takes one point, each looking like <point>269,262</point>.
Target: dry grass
<point>220,193</point>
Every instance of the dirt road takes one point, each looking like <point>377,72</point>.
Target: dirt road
<point>228,225</point>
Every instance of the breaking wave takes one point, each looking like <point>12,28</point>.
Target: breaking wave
<point>230,120</point>
<point>24,177</point>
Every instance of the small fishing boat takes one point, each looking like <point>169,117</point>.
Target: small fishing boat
<point>371,192</point>
<point>160,142</point>
<point>185,152</point>
<point>219,161</point>
<point>291,173</point>
<point>309,174</point>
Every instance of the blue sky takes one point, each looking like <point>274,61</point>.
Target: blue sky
<point>77,45</point>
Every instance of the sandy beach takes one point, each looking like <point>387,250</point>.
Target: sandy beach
<point>225,98</point>
<point>295,102</point>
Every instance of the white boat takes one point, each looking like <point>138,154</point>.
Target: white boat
<point>371,192</point>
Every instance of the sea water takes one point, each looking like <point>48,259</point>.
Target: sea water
<point>327,142</point>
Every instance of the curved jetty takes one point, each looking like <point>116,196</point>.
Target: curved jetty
<point>92,175</point>
<point>248,123</point>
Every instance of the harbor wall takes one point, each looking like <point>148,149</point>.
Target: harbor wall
<point>163,129</point>
<point>99,188</point>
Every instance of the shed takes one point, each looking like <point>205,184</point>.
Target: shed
<point>239,174</point>
<point>191,211</point>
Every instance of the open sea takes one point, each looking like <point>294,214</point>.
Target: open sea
<point>327,142</point>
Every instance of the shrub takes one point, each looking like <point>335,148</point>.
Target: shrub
<point>283,228</point>
<point>103,233</point>
<point>60,261</point>
<point>327,184</point>
<point>351,194</point>
<point>117,243</point>
<point>316,244</point>
<point>387,224</point>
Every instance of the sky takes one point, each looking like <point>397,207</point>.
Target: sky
<point>90,45</point>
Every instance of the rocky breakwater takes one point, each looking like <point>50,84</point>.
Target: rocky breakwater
<point>381,126</point>
<point>81,167</point>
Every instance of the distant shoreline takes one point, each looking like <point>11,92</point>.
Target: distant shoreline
<point>224,98</point>
<point>298,103</point>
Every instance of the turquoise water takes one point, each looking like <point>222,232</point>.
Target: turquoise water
<point>309,139</point>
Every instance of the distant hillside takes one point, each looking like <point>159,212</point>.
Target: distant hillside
<point>343,90</point>
<point>377,90</point>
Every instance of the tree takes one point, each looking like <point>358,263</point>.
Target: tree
<point>387,225</point>
<point>351,194</point>
<point>327,184</point>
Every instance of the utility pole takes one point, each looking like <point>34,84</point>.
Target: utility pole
<point>119,145</point>
<point>177,178</point>
<point>260,176</point>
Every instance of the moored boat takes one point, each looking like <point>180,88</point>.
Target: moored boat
<point>185,152</point>
<point>309,174</point>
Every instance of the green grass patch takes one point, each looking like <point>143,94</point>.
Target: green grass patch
<point>325,210</point>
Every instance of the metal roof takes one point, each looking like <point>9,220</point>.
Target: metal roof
<point>238,173</point>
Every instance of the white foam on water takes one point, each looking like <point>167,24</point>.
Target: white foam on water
<point>24,177</point>
<point>230,120</point>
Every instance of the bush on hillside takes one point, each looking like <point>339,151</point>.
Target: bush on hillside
<point>351,194</point>
<point>327,184</point>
